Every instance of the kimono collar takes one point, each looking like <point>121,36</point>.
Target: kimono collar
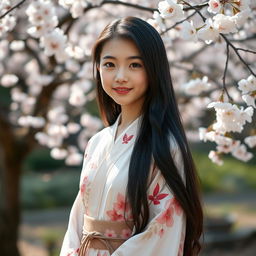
<point>129,133</point>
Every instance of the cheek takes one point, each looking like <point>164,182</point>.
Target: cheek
<point>106,78</point>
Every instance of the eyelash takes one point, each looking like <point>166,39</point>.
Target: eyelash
<point>138,65</point>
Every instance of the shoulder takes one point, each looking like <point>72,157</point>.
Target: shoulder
<point>104,136</point>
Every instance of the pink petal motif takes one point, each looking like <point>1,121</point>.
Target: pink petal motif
<point>110,233</point>
<point>126,233</point>
<point>114,216</point>
<point>166,217</point>
<point>155,198</point>
<point>121,205</point>
<point>127,138</point>
<point>83,185</point>
<point>176,205</point>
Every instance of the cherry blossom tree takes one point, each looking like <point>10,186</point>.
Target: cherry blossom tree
<point>46,69</point>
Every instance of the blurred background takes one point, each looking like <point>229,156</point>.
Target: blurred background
<point>48,112</point>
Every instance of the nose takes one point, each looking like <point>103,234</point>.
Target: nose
<point>121,76</point>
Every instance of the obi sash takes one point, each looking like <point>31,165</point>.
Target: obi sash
<point>103,235</point>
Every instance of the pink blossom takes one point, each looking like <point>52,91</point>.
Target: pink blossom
<point>167,216</point>
<point>110,233</point>
<point>126,233</point>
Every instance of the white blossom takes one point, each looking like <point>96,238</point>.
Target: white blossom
<point>91,122</point>
<point>224,24</point>
<point>250,141</point>
<point>188,31</point>
<point>57,130</point>
<point>54,43</point>
<point>31,121</point>
<point>74,159</point>
<point>17,95</point>
<point>247,85</point>
<point>17,45</point>
<point>73,127</point>
<point>7,23</point>
<point>171,10</point>
<point>196,86</point>
<point>214,6</point>
<point>241,17</point>
<point>214,156</point>
<point>230,117</point>
<point>77,98</point>
<point>249,100</point>
<point>59,153</point>
<point>208,32</point>
<point>9,80</point>
<point>242,154</point>
<point>57,115</point>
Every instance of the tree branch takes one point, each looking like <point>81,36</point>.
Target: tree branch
<point>140,7</point>
<point>11,9</point>
<point>224,75</point>
<point>238,54</point>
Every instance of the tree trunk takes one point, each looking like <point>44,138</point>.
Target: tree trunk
<point>11,164</point>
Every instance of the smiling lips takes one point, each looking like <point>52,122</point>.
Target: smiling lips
<point>122,90</point>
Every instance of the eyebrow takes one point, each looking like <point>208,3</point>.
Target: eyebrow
<point>129,58</point>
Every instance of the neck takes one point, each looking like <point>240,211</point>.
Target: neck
<point>128,115</point>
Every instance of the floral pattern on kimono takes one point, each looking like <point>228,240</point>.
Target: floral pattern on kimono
<point>102,192</point>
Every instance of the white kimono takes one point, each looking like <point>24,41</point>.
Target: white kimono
<point>102,191</point>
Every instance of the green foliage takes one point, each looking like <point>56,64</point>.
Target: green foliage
<point>232,176</point>
<point>49,190</point>
<point>40,160</point>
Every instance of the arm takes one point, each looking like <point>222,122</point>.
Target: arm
<point>73,236</point>
<point>165,232</point>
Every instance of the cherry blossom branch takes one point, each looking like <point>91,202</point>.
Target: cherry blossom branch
<point>212,78</point>
<point>246,50</point>
<point>196,9</point>
<point>238,54</point>
<point>224,75</point>
<point>177,23</point>
<point>198,6</point>
<point>140,7</point>
<point>11,9</point>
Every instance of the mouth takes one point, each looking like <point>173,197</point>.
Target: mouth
<point>122,90</point>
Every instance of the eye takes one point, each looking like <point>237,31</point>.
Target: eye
<point>135,65</point>
<point>108,65</point>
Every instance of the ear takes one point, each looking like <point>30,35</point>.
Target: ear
<point>98,66</point>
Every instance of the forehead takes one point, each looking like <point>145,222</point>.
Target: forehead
<point>120,47</point>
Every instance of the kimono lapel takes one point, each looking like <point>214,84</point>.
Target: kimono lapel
<point>125,140</point>
<point>119,148</point>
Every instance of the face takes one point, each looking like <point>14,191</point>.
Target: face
<point>122,72</point>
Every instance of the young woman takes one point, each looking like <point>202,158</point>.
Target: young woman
<point>139,188</point>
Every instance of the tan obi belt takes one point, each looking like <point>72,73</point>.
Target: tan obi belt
<point>104,235</point>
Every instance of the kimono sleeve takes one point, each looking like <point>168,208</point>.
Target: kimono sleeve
<point>73,236</point>
<point>165,232</point>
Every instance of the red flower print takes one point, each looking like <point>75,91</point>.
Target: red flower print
<point>83,185</point>
<point>161,232</point>
<point>166,217</point>
<point>156,197</point>
<point>120,206</point>
<point>176,205</point>
<point>114,216</point>
<point>110,233</point>
<point>126,233</point>
<point>127,138</point>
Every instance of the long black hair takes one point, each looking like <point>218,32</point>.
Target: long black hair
<point>160,120</point>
